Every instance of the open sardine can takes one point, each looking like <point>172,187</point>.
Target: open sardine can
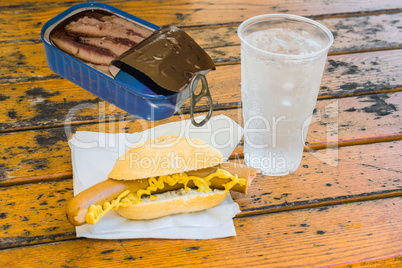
<point>146,70</point>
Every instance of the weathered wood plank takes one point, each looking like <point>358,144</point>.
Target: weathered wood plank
<point>44,217</point>
<point>304,238</point>
<point>377,32</point>
<point>329,177</point>
<point>334,119</point>
<point>346,120</point>
<point>31,17</point>
<point>352,34</point>
<point>321,230</point>
<point>47,103</point>
<point>25,60</point>
<point>389,262</point>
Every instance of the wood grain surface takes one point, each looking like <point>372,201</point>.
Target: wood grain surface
<point>342,208</point>
<point>48,103</point>
<point>28,62</point>
<point>389,262</point>
<point>31,15</point>
<point>351,35</point>
<point>302,238</point>
<point>345,120</point>
<point>329,177</point>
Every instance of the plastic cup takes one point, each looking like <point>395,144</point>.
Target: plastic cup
<point>282,63</point>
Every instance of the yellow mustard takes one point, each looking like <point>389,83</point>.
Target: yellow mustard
<point>126,199</point>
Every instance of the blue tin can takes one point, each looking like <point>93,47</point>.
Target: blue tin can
<point>128,94</point>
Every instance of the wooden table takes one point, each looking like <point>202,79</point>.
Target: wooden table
<point>342,208</point>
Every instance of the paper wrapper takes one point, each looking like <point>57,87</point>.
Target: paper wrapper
<point>94,155</point>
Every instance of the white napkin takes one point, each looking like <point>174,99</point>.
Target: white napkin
<point>94,154</point>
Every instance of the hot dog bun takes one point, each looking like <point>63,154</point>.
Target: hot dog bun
<point>173,202</point>
<point>110,189</point>
<point>164,156</point>
<point>136,184</point>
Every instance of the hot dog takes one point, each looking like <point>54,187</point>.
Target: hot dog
<point>123,180</point>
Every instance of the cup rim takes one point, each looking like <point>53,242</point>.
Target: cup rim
<point>323,28</point>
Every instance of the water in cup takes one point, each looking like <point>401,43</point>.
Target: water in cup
<point>282,63</point>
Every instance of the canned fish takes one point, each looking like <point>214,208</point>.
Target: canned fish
<point>81,42</point>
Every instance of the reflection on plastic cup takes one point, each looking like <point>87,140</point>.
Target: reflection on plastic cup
<point>282,62</point>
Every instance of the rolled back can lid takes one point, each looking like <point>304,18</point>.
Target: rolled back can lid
<point>170,57</point>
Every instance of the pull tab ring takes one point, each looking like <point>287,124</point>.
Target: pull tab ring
<point>194,98</point>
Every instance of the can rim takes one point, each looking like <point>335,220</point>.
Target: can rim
<point>61,16</point>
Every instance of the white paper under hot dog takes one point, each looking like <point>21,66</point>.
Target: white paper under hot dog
<point>94,155</point>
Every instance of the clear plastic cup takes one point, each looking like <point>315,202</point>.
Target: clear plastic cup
<point>282,62</point>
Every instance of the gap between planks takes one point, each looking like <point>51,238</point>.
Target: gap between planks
<point>313,17</point>
<point>348,135</point>
<point>237,24</point>
<point>184,111</point>
<point>236,155</point>
<point>368,172</point>
<point>333,235</point>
